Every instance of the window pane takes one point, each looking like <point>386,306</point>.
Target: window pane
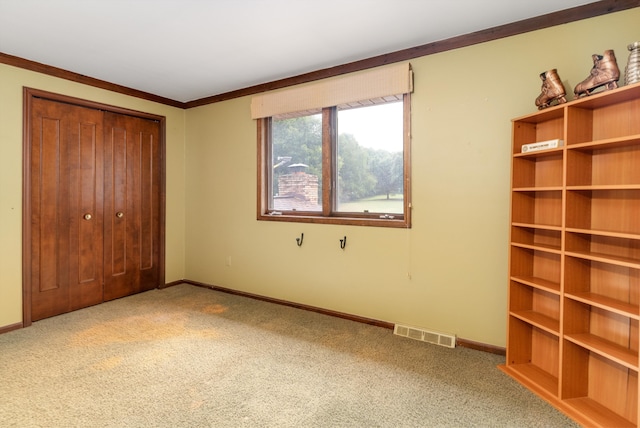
<point>296,164</point>
<point>370,159</point>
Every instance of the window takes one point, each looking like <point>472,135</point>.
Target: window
<point>296,164</point>
<point>370,161</point>
<point>346,163</point>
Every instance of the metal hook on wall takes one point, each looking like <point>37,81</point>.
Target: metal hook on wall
<point>343,242</point>
<point>300,239</point>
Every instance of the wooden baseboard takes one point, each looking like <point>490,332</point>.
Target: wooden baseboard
<point>10,327</point>
<point>492,349</point>
<point>171,284</point>
<point>459,342</point>
<point>356,318</point>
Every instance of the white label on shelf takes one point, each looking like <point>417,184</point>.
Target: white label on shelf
<point>542,145</point>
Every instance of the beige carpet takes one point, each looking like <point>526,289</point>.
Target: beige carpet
<point>191,357</point>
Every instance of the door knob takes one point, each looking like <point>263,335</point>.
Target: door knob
<point>119,214</point>
<point>87,216</point>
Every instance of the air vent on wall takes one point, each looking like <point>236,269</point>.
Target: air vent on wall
<point>425,335</point>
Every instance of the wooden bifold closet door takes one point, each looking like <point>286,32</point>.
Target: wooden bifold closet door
<point>94,207</point>
<point>131,205</point>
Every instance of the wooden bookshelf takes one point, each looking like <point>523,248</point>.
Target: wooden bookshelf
<point>574,268</point>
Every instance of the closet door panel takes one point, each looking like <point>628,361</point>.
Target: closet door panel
<point>121,228</point>
<point>147,201</point>
<point>46,180</point>
<point>116,191</point>
<point>131,205</point>
<point>149,180</point>
<point>86,228</point>
<point>66,207</point>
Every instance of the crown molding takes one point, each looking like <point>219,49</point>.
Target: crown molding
<point>532,24</point>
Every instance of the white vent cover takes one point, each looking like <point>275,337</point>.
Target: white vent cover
<point>425,335</point>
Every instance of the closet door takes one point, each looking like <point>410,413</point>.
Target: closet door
<point>66,207</point>
<point>131,205</point>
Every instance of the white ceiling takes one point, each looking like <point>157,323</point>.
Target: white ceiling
<point>186,50</point>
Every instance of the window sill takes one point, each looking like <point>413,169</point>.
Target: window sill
<point>347,221</point>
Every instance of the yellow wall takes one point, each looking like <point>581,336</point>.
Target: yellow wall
<point>12,80</point>
<point>456,253</point>
<point>447,273</point>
